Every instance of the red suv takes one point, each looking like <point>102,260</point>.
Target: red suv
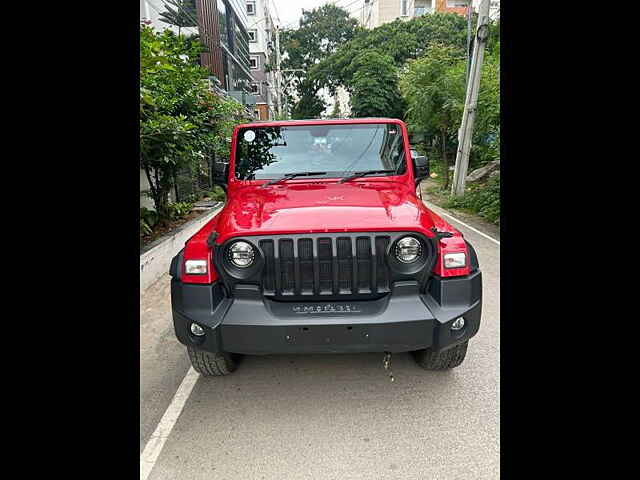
<point>324,246</point>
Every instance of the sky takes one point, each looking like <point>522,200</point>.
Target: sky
<point>290,11</point>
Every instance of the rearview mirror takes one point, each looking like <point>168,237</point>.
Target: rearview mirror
<point>220,174</point>
<point>420,168</point>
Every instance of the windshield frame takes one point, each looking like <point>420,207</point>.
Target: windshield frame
<point>331,177</point>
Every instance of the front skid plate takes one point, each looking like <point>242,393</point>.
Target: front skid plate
<point>346,338</point>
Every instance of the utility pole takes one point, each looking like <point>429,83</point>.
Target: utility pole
<point>471,101</point>
<point>278,73</point>
<point>291,80</point>
<point>469,10</point>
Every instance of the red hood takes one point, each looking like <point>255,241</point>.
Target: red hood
<point>315,207</point>
<point>322,207</point>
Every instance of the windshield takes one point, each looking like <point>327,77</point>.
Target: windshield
<point>338,150</point>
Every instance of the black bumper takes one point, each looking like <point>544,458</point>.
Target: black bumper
<point>404,320</point>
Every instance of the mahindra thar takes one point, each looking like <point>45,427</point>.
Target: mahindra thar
<point>324,246</point>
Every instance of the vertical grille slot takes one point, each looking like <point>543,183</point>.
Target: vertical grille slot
<point>349,264</point>
<point>382,272</point>
<point>363,257</point>
<point>345,265</point>
<point>287,267</point>
<point>325,261</point>
<point>269,272</point>
<point>305,253</point>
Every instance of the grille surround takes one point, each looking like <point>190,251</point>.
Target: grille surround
<point>326,266</point>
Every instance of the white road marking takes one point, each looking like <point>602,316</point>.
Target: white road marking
<point>469,226</point>
<point>154,446</point>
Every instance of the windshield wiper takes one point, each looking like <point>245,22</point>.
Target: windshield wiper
<point>289,176</point>
<point>364,173</point>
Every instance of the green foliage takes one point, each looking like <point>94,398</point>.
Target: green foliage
<point>400,40</point>
<point>179,210</point>
<point>481,199</point>
<point>218,194</point>
<point>336,112</point>
<point>309,105</point>
<point>321,31</point>
<point>375,87</point>
<point>434,87</point>
<point>148,220</point>
<point>181,120</point>
<point>181,14</point>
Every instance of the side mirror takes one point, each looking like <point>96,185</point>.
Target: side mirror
<point>420,168</point>
<point>221,174</point>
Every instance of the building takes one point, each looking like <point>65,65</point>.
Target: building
<point>378,12</point>
<point>261,53</point>
<point>222,26</point>
<point>223,30</point>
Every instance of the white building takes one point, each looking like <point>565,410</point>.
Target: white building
<point>260,27</point>
<point>378,12</point>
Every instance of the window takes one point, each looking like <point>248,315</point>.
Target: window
<point>270,152</point>
<point>251,8</point>
<point>256,114</point>
<point>255,88</point>
<point>457,3</point>
<point>254,62</point>
<point>422,7</point>
<point>253,36</point>
<point>404,8</point>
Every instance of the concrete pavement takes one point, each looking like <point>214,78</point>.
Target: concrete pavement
<point>328,416</point>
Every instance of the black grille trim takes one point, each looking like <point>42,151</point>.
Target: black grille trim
<point>327,266</point>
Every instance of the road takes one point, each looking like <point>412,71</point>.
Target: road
<point>326,416</point>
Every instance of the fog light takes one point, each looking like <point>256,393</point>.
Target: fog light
<point>457,324</point>
<point>197,329</point>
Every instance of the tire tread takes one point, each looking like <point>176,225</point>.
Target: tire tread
<point>211,364</point>
<point>444,360</point>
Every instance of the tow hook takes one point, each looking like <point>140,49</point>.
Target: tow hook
<point>386,362</point>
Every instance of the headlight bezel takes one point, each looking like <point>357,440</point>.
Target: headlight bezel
<point>235,271</point>
<point>426,253</point>
<point>402,244</point>
<point>233,259</point>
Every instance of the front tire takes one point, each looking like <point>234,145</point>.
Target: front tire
<point>443,360</point>
<point>210,364</point>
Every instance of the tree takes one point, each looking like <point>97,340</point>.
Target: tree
<point>433,87</point>
<point>374,89</point>
<point>321,31</point>
<point>309,105</point>
<point>183,15</point>
<point>181,120</point>
<point>400,40</point>
<point>336,112</point>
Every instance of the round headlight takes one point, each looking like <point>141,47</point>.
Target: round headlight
<point>241,254</point>
<point>408,250</point>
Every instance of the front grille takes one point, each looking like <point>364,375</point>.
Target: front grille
<point>317,266</point>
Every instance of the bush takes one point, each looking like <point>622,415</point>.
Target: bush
<point>218,194</point>
<point>179,209</point>
<point>481,199</point>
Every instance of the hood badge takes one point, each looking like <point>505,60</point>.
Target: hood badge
<point>327,308</point>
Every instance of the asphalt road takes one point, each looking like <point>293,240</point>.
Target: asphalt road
<point>327,416</point>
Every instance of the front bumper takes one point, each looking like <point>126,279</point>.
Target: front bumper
<point>402,321</point>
